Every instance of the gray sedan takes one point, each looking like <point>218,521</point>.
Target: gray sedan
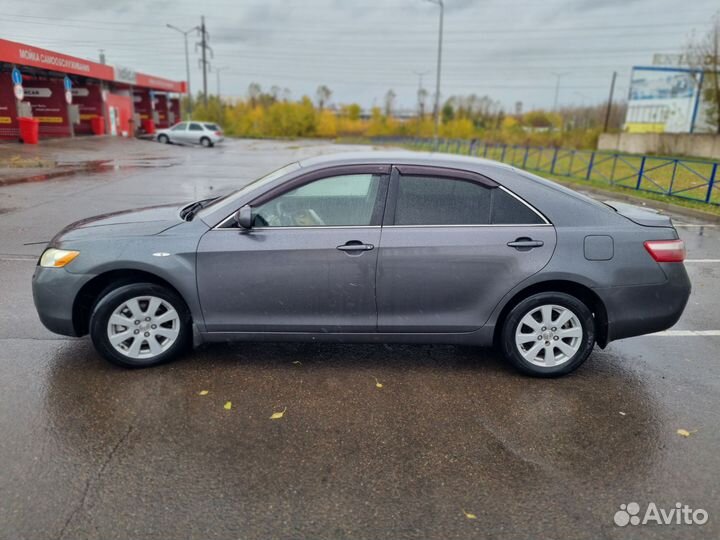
<point>371,247</point>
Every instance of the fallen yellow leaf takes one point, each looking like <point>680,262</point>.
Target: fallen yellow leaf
<point>228,405</point>
<point>278,415</point>
<point>378,383</point>
<point>297,363</point>
<point>469,515</point>
<point>204,392</point>
<point>685,432</point>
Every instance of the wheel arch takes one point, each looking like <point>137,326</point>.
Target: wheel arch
<point>89,294</point>
<point>582,292</point>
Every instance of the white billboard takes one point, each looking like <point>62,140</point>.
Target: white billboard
<point>663,100</point>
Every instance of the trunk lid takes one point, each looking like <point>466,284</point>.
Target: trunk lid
<point>646,217</point>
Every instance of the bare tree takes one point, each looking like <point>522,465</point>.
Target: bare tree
<point>389,102</point>
<point>322,94</point>
<point>254,91</point>
<point>422,98</point>
<point>704,54</point>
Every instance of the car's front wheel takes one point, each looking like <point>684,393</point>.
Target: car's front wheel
<point>162,138</point>
<point>548,334</point>
<point>140,325</point>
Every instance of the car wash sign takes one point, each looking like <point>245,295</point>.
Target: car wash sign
<point>26,55</point>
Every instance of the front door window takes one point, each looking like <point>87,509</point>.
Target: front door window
<point>337,201</point>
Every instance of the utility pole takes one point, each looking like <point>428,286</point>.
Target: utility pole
<point>557,89</point>
<point>609,105</point>
<point>439,66</point>
<point>187,62</point>
<point>205,48</point>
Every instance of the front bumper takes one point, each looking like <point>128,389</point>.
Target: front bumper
<point>644,309</point>
<point>54,293</point>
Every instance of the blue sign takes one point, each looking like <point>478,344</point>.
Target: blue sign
<point>16,76</point>
<point>68,83</point>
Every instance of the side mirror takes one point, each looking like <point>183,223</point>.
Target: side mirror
<point>244,217</point>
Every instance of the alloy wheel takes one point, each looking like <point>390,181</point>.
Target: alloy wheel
<point>549,335</point>
<point>143,327</point>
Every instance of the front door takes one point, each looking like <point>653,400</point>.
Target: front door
<point>178,133</point>
<point>451,249</point>
<point>307,265</point>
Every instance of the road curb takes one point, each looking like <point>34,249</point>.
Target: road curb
<point>53,172</point>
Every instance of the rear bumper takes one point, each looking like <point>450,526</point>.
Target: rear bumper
<point>644,309</point>
<point>54,293</point>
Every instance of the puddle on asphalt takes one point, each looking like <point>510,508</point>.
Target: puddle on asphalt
<point>72,168</point>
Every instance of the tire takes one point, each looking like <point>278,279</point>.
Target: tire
<point>207,143</point>
<point>161,339</point>
<point>164,139</point>
<point>528,347</point>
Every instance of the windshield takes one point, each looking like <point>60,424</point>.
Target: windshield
<point>256,184</point>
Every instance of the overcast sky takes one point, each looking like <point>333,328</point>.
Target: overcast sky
<point>507,49</point>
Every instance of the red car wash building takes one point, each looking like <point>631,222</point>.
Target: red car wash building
<point>57,95</point>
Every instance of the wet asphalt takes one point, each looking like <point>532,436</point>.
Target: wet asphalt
<point>88,450</point>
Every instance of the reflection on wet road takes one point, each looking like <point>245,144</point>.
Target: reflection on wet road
<point>92,451</point>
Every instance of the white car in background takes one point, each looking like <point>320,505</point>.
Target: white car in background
<point>205,133</point>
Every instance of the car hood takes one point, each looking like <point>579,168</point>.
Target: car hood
<point>140,222</point>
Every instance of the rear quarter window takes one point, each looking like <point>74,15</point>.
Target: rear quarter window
<point>508,210</point>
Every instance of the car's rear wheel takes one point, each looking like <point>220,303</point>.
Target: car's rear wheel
<point>206,142</point>
<point>548,334</point>
<point>163,139</point>
<point>140,325</point>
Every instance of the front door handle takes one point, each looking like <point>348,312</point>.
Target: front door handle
<point>354,246</point>
<point>525,244</point>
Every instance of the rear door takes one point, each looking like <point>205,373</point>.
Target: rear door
<point>194,133</point>
<point>453,244</point>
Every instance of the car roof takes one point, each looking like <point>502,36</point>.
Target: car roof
<point>402,157</point>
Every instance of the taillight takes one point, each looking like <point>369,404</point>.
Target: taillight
<point>218,133</point>
<point>666,250</point>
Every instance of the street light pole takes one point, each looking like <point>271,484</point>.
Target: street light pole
<point>439,66</point>
<point>609,104</point>
<point>217,74</point>
<point>187,61</point>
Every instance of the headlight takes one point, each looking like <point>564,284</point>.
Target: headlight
<point>57,258</point>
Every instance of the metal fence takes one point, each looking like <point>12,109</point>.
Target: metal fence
<point>692,179</point>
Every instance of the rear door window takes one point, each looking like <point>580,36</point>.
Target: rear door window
<point>195,127</point>
<point>435,200</point>
<point>429,200</point>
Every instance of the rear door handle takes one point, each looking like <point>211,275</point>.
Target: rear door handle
<point>524,244</point>
<point>355,245</point>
